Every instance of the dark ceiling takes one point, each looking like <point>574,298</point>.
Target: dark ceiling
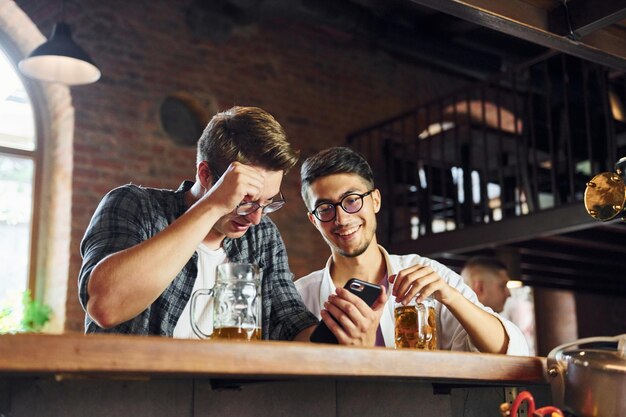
<point>472,38</point>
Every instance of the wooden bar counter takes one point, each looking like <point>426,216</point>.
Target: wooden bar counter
<point>74,374</point>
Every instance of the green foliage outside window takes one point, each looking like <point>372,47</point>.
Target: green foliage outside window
<point>34,315</point>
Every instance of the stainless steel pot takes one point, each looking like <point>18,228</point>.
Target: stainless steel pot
<point>589,382</point>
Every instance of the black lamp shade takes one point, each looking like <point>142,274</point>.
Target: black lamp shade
<point>60,60</point>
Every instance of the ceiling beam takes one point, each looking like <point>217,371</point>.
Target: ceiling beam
<point>586,16</point>
<point>399,39</point>
<point>567,253</point>
<point>543,223</point>
<point>576,270</point>
<point>576,242</point>
<point>567,283</point>
<point>526,21</point>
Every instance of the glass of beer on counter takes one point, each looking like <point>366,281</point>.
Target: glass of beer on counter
<point>416,325</point>
<point>236,299</point>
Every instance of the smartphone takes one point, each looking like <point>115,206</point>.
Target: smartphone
<point>364,290</point>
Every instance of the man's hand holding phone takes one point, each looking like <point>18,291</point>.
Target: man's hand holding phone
<point>353,316</point>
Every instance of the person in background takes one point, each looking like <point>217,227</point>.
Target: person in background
<point>488,278</point>
<point>339,191</point>
<point>146,249</point>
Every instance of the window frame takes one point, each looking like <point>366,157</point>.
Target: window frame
<point>37,156</point>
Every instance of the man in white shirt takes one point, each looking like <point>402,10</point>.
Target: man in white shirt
<point>488,278</point>
<point>338,190</point>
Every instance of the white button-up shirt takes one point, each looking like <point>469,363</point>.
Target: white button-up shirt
<point>316,287</point>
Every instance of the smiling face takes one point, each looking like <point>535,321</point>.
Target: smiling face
<point>348,235</point>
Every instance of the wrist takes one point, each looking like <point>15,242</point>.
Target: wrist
<point>212,209</point>
<point>452,298</point>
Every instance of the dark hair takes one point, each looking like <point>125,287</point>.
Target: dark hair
<point>485,262</point>
<point>336,160</point>
<point>249,135</point>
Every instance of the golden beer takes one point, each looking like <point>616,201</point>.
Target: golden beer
<point>236,333</point>
<point>416,327</point>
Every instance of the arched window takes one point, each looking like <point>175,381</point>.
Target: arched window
<point>19,156</point>
<point>48,235</point>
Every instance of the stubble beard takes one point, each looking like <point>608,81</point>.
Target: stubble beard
<point>357,252</point>
<point>360,250</point>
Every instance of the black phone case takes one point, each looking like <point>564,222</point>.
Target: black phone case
<point>364,290</point>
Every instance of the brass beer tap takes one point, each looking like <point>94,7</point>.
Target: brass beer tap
<point>605,195</point>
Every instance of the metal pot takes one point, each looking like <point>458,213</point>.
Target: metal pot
<point>589,382</point>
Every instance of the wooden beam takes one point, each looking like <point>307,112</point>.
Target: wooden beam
<point>544,223</point>
<point>586,17</point>
<point>567,253</point>
<point>598,244</point>
<point>575,272</point>
<point>544,280</point>
<point>525,21</point>
<point>608,40</point>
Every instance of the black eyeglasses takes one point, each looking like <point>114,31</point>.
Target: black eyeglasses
<point>246,208</point>
<point>351,203</point>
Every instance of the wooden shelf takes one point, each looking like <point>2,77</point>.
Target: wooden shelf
<point>114,355</point>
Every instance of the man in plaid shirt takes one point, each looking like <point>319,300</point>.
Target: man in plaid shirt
<point>145,248</point>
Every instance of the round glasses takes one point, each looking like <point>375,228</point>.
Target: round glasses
<point>351,203</point>
<point>245,208</point>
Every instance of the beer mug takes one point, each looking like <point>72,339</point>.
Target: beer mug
<point>236,303</point>
<point>416,325</point>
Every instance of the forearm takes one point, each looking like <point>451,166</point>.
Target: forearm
<point>485,330</point>
<point>304,335</point>
<point>125,283</point>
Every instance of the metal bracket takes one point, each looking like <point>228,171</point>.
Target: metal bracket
<point>510,393</point>
<point>572,35</point>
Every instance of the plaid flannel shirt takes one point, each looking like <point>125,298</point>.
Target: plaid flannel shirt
<point>131,214</point>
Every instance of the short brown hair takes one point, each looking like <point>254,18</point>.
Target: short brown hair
<point>486,262</point>
<point>249,135</point>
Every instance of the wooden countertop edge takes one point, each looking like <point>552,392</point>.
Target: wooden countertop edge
<point>77,354</point>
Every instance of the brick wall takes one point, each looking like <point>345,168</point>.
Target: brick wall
<point>320,85</point>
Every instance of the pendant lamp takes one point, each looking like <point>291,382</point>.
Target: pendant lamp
<point>60,60</point>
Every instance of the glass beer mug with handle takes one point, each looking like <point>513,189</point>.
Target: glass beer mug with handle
<point>236,303</point>
<point>416,325</point>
